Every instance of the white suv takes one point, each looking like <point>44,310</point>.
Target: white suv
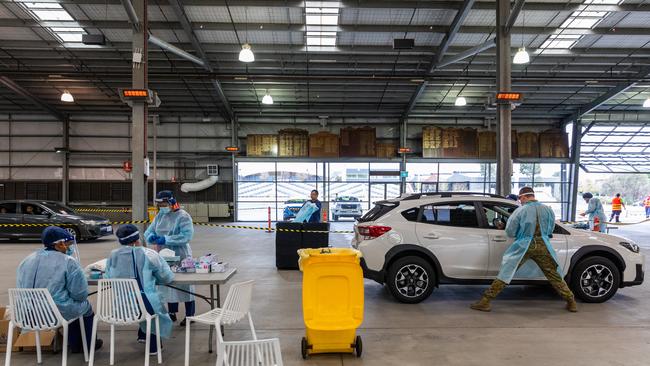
<point>415,243</point>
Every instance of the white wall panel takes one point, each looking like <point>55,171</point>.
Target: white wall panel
<point>98,129</point>
<point>36,128</point>
<point>98,174</point>
<point>99,144</point>
<point>21,159</point>
<point>24,173</point>
<point>35,143</point>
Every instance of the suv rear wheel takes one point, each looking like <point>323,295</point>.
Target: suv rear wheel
<point>411,279</point>
<point>595,279</point>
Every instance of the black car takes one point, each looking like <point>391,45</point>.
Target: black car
<point>82,226</point>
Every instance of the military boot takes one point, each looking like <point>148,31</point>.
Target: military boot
<point>571,305</point>
<point>484,303</point>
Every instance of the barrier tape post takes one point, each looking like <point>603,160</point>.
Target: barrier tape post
<point>269,230</point>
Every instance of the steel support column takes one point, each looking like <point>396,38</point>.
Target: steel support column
<point>576,139</point>
<point>139,116</point>
<point>65,171</point>
<point>504,112</point>
<point>403,140</point>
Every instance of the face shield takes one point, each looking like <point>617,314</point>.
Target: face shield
<point>71,248</point>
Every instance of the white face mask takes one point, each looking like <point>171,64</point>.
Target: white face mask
<point>164,210</point>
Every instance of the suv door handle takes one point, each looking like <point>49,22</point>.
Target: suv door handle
<point>499,238</point>
<point>432,236</point>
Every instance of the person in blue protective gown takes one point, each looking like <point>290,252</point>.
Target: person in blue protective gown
<point>531,225</point>
<point>149,269</point>
<point>595,210</point>
<point>54,268</point>
<point>172,228</point>
<point>311,210</point>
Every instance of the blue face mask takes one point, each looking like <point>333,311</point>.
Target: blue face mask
<point>69,251</point>
<point>164,210</point>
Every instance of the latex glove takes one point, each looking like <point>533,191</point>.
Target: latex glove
<point>160,240</point>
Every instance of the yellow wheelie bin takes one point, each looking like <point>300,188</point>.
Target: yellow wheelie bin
<point>332,300</point>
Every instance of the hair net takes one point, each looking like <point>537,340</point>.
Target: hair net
<point>587,195</point>
<point>127,234</point>
<point>53,234</point>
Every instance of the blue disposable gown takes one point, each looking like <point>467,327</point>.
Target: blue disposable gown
<point>178,230</point>
<point>521,226</point>
<point>62,276</point>
<point>151,270</point>
<point>595,209</point>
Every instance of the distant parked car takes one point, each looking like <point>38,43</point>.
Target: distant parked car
<point>82,226</point>
<point>346,206</point>
<point>291,208</point>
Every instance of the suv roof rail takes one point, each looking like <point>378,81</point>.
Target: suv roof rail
<point>449,194</point>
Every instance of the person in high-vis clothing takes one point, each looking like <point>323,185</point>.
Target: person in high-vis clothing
<point>595,210</point>
<point>617,208</point>
<point>531,225</point>
<point>172,228</point>
<point>149,269</point>
<point>55,268</point>
<point>646,203</point>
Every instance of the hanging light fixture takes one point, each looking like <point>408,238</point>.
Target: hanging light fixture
<point>521,57</point>
<point>646,104</point>
<point>67,97</point>
<point>460,101</point>
<point>268,99</point>
<point>246,54</point>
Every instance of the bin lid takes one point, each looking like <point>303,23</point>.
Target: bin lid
<point>340,253</point>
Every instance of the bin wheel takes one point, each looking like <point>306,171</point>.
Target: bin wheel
<point>358,346</point>
<point>303,348</point>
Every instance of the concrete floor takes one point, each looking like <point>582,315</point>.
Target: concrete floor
<point>528,325</point>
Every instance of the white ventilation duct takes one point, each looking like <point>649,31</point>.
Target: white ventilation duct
<point>199,186</point>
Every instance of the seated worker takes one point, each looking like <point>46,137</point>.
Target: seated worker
<point>147,267</point>
<point>55,269</point>
<point>29,210</point>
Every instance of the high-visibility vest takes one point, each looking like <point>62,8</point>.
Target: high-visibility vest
<point>617,204</point>
<point>647,202</point>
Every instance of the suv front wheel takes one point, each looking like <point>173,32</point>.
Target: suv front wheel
<point>410,279</point>
<point>595,279</point>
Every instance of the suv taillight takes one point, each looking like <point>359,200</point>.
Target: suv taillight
<point>373,231</point>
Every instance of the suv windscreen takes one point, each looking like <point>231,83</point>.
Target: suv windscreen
<point>380,209</point>
<point>462,214</point>
<point>347,199</point>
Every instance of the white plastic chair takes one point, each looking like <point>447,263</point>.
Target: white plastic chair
<point>34,309</point>
<point>119,303</point>
<point>236,306</point>
<point>263,352</point>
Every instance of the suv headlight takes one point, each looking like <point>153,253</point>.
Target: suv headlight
<point>630,246</point>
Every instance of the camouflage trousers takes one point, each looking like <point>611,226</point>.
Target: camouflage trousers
<point>538,253</point>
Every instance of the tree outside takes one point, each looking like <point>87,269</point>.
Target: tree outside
<point>530,170</point>
<point>633,187</point>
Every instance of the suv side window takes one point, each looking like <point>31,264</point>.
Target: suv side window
<point>462,214</point>
<point>411,214</point>
<point>32,209</point>
<point>8,208</point>
<point>497,214</point>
